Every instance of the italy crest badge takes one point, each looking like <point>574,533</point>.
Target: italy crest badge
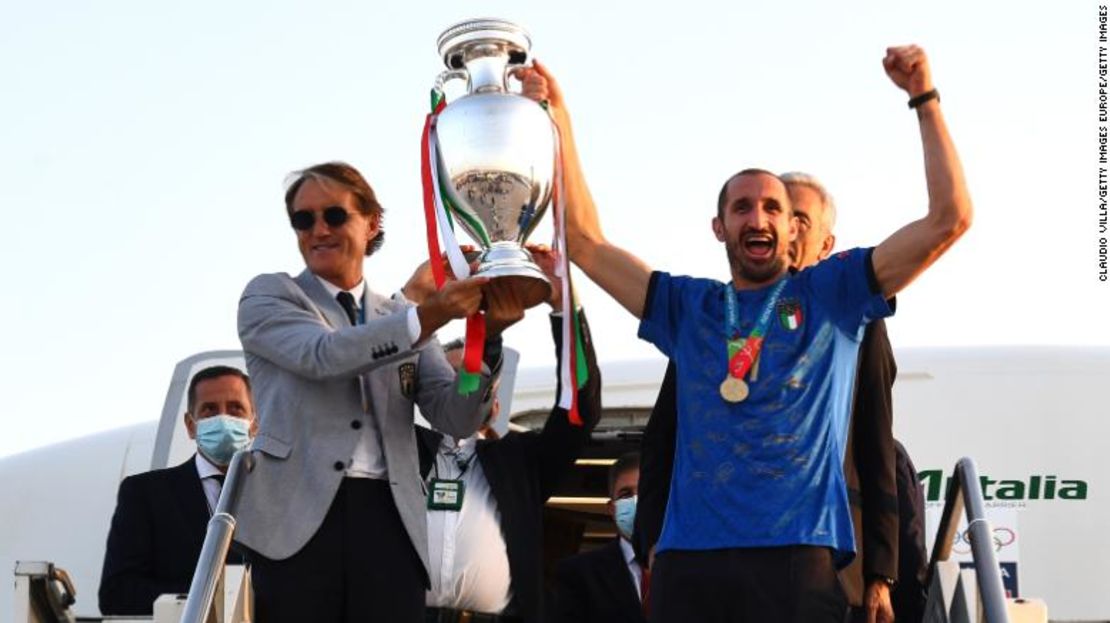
<point>790,315</point>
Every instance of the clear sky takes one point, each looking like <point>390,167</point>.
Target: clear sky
<point>143,147</point>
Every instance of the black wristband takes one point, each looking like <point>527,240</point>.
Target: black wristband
<point>889,581</point>
<point>918,100</point>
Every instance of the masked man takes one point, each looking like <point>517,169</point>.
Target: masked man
<point>608,584</point>
<point>159,524</point>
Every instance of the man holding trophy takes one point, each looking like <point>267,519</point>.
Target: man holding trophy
<point>758,508</point>
<point>333,512</point>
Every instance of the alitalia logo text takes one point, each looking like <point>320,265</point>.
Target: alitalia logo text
<point>1042,487</point>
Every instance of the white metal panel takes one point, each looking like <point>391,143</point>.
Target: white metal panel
<point>56,504</point>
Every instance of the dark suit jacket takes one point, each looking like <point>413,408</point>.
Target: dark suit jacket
<point>908,597</point>
<point>155,539</point>
<point>523,470</point>
<point>870,452</point>
<point>595,587</point>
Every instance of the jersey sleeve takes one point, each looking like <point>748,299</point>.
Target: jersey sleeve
<point>845,283</point>
<point>663,309</point>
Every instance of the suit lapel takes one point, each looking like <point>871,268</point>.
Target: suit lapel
<point>335,315</point>
<point>427,442</point>
<point>374,304</point>
<point>189,494</point>
<point>620,579</point>
<point>327,304</point>
<point>491,472</point>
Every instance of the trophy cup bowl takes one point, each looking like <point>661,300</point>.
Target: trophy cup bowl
<point>496,153</point>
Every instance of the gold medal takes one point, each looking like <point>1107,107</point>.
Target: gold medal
<point>734,390</point>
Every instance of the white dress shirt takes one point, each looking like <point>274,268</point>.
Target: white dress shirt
<point>633,566</point>
<point>368,460</point>
<point>208,472</point>
<point>467,552</point>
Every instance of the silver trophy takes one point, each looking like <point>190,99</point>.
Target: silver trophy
<point>496,152</point>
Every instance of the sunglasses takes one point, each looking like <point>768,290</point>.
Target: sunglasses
<point>304,220</point>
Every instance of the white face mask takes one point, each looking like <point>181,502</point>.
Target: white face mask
<point>625,516</point>
<point>219,437</point>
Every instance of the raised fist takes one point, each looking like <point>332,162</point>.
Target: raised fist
<point>908,69</point>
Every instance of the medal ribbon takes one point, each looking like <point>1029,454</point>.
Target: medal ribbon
<point>742,354</point>
<point>438,223</point>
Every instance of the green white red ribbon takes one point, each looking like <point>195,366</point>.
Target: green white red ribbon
<point>438,223</point>
<point>573,372</point>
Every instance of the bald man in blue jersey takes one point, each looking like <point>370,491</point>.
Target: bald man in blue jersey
<point>766,363</point>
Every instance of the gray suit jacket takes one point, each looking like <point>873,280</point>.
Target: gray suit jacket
<point>313,375</point>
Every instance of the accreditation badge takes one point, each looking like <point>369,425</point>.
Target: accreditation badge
<point>445,495</point>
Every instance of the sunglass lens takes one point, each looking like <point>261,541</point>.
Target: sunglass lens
<point>335,216</point>
<point>302,220</point>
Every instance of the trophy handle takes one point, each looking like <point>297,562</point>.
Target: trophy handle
<point>449,75</point>
<point>509,74</point>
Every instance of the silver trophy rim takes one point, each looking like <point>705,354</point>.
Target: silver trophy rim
<point>484,28</point>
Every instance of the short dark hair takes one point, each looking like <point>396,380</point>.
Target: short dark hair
<point>207,374</point>
<point>723,194</point>
<point>626,463</point>
<point>351,180</point>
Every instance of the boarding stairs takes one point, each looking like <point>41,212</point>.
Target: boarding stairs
<point>221,593</point>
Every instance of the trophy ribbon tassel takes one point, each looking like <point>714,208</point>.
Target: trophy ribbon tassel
<point>437,223</point>
<point>573,373</point>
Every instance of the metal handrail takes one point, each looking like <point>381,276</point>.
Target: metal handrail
<point>967,491</point>
<point>217,542</point>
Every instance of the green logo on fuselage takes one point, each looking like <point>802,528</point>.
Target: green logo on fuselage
<point>1040,487</point>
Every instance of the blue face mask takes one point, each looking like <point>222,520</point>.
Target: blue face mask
<point>221,436</point>
<point>625,516</point>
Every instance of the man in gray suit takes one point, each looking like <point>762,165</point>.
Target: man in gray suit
<point>333,512</point>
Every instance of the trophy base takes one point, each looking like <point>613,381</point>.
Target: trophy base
<point>509,262</point>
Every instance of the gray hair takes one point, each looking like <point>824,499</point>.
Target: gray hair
<point>805,179</point>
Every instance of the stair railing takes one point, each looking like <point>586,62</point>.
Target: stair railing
<point>217,541</point>
<point>966,492</point>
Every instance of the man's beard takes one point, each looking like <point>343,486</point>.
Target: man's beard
<point>756,272</point>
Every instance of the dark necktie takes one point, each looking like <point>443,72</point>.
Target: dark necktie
<point>645,590</point>
<point>219,479</point>
<point>347,302</point>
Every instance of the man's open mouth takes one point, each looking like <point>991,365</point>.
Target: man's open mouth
<point>759,246</point>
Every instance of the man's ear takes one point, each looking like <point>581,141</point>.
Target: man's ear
<point>190,425</point>
<point>254,425</point>
<point>827,245</point>
<point>373,226</point>
<point>611,508</point>
<point>718,229</point>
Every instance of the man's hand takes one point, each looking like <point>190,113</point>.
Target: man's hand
<point>624,276</point>
<point>911,250</point>
<point>538,84</point>
<point>546,259</point>
<point>908,69</point>
<point>422,283</point>
<point>457,299</point>
<point>503,307</point>
<point>876,602</point>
